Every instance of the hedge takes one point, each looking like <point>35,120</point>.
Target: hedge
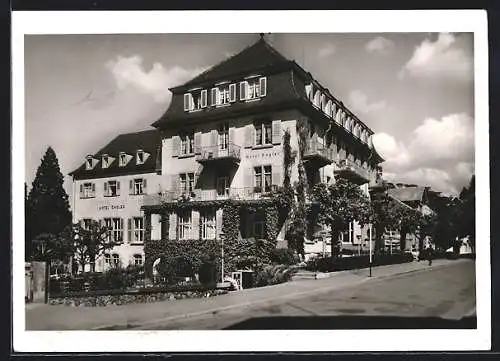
<point>330,264</point>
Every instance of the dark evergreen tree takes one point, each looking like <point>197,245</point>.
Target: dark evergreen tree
<point>467,214</point>
<point>47,210</point>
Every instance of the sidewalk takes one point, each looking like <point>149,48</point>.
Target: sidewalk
<point>60,317</point>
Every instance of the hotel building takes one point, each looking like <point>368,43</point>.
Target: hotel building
<point>110,187</point>
<point>222,139</point>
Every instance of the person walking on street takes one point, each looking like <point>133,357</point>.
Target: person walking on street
<point>430,254</point>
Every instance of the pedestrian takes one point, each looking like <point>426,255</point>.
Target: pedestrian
<point>430,254</point>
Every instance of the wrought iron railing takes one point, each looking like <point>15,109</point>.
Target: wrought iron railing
<point>349,165</point>
<point>217,152</point>
<point>244,193</point>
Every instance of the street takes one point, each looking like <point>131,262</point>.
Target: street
<point>444,293</point>
<point>413,292</point>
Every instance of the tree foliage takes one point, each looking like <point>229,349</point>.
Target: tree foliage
<point>89,244</point>
<point>382,217</point>
<point>467,213</point>
<point>339,204</point>
<point>47,205</point>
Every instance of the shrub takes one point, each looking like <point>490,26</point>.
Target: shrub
<point>272,274</point>
<point>207,273</point>
<point>284,256</point>
<point>330,264</point>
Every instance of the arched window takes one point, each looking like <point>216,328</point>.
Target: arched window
<point>116,259</point>
<point>107,259</point>
<point>138,259</point>
<point>328,108</point>
<point>338,117</point>
<point>317,99</point>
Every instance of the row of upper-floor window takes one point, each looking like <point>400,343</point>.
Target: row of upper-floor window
<point>111,188</point>
<point>116,228</point>
<point>123,159</point>
<point>224,94</point>
<point>330,108</point>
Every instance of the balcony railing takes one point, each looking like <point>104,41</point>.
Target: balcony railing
<point>245,193</point>
<point>353,171</point>
<point>317,153</point>
<point>216,153</point>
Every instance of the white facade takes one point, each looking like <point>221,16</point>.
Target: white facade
<point>124,206</point>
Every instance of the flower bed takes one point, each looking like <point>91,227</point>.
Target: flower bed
<point>118,297</point>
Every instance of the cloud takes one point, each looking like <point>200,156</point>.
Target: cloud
<point>359,102</point>
<point>129,72</point>
<point>379,45</point>
<point>440,153</point>
<point>327,50</point>
<point>444,58</point>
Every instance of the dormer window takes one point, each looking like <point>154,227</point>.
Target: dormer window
<point>254,88</point>
<point>223,94</point>
<point>195,100</point>
<point>106,161</point>
<point>123,159</point>
<point>90,162</point>
<point>140,157</point>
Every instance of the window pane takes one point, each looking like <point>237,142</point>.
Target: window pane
<point>268,133</point>
<point>258,134</point>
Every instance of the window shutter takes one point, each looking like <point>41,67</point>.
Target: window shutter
<point>93,187</point>
<point>204,98</point>
<point>195,231</point>
<point>131,187</point>
<point>218,223</point>
<point>276,176</point>
<point>187,102</point>
<point>276,131</point>
<point>214,96</point>
<point>243,90</point>
<point>248,178</point>
<point>197,143</point>
<point>129,229</point>
<point>172,226</point>
<point>81,190</point>
<point>174,182</point>
<point>213,139</point>
<point>176,145</point>
<point>232,93</point>
<point>117,188</point>
<point>105,188</point>
<point>231,135</point>
<point>263,86</point>
<point>249,129</point>
<point>144,185</point>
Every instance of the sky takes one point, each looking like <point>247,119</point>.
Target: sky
<point>414,90</point>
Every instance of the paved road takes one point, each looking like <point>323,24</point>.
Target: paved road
<point>445,289</point>
<point>445,293</point>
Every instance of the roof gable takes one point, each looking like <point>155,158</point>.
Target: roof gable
<point>257,56</point>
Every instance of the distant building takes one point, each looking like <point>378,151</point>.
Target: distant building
<point>110,186</point>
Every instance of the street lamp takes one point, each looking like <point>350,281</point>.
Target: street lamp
<point>222,255</point>
<point>370,249</point>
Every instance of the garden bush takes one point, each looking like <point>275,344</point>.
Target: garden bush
<point>284,256</point>
<point>272,275</point>
<point>207,273</point>
<point>331,264</point>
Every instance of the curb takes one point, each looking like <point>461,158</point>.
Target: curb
<point>126,325</point>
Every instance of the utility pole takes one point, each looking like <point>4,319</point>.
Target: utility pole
<point>370,249</point>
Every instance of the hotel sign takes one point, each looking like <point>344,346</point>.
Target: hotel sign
<point>110,207</point>
<point>270,154</point>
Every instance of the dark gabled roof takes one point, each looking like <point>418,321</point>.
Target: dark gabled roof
<point>408,194</point>
<point>259,55</point>
<point>149,141</point>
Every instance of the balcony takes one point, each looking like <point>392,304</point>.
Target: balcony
<point>354,172</point>
<point>247,193</point>
<point>317,155</point>
<point>217,156</point>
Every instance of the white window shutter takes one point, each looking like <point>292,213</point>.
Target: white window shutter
<point>176,145</point>
<point>232,93</point>
<point>204,98</point>
<point>197,143</point>
<point>276,132</point>
<point>243,90</point>
<point>187,102</point>
<point>263,86</point>
<point>249,134</point>
<point>129,229</point>
<point>213,96</point>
